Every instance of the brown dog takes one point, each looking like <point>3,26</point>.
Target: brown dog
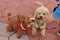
<point>22,26</point>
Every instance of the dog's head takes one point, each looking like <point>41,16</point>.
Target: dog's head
<point>41,13</point>
<point>32,19</point>
<point>29,19</point>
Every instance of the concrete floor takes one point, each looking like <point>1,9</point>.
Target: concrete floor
<point>9,36</point>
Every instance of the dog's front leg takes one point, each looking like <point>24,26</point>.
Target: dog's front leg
<point>43,30</point>
<point>9,28</point>
<point>34,30</point>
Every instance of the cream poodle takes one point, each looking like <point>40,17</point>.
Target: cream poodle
<point>40,16</point>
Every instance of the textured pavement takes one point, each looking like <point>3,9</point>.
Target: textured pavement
<point>22,7</point>
<point>3,38</point>
<point>9,36</point>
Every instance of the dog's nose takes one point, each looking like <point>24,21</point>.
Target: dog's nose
<point>40,17</point>
<point>32,20</point>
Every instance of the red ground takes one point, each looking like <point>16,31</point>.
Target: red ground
<point>22,7</point>
<point>26,7</point>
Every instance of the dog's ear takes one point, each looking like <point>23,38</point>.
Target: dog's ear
<point>47,11</point>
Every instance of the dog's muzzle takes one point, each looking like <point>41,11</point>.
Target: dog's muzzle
<point>33,20</point>
<point>41,17</point>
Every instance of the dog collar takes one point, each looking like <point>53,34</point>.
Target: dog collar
<point>20,26</point>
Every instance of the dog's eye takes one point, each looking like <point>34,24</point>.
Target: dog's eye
<point>43,13</point>
<point>39,13</point>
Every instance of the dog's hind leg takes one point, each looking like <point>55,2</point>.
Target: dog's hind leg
<point>9,28</point>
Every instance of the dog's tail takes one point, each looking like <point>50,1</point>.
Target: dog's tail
<point>39,3</point>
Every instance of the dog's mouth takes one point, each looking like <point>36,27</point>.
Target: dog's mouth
<point>40,18</point>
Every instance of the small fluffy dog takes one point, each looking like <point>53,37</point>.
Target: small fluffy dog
<point>18,24</point>
<point>40,16</point>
